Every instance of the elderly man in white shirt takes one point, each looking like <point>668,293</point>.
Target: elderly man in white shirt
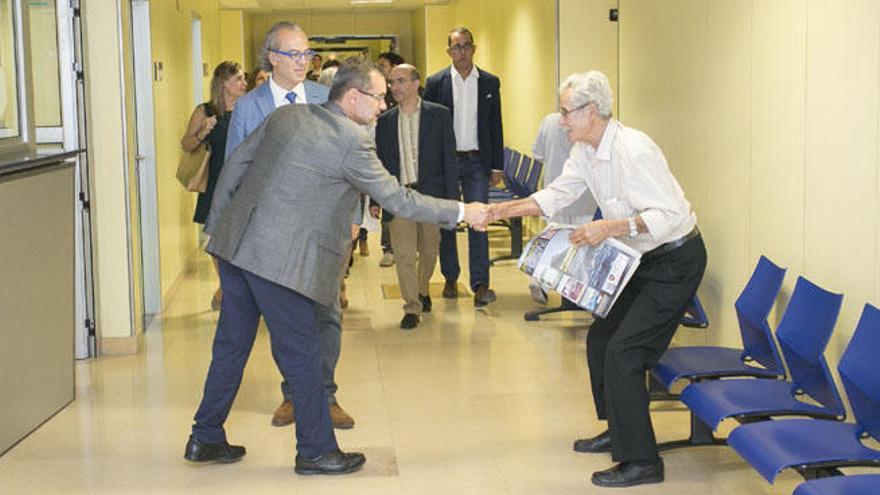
<point>644,207</point>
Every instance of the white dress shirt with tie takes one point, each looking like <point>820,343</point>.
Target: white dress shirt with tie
<point>279,94</point>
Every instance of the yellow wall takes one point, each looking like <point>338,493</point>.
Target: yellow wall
<point>420,53</point>
<point>232,42</point>
<point>172,100</point>
<point>43,29</point>
<point>777,152</point>
<point>329,23</point>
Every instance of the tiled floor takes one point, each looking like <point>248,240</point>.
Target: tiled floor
<point>472,401</point>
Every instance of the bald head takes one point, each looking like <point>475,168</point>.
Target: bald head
<point>404,81</point>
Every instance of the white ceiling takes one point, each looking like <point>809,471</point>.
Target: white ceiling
<point>281,5</point>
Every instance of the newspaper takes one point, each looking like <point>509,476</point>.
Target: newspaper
<point>590,276</point>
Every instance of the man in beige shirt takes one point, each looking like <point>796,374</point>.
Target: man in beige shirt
<point>416,142</point>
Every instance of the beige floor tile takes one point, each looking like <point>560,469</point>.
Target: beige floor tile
<point>473,401</point>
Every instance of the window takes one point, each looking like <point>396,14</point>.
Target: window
<point>9,111</point>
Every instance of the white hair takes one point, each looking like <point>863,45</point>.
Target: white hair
<point>590,87</point>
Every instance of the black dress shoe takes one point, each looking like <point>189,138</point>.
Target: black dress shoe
<point>337,462</point>
<point>595,445</point>
<point>483,296</point>
<point>409,321</point>
<point>630,474</point>
<point>198,451</point>
<point>450,289</point>
<point>426,303</point>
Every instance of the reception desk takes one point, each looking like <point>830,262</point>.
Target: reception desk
<point>36,291</point>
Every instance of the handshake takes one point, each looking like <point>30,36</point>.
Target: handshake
<point>479,215</point>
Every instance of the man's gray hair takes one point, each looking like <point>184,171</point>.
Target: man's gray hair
<point>590,87</point>
<point>413,72</point>
<point>271,42</point>
<point>356,73</point>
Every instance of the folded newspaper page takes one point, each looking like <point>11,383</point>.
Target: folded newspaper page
<point>590,276</point>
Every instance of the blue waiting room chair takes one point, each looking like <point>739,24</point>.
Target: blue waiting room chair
<point>818,448</point>
<point>513,162</point>
<point>758,356</point>
<point>803,335</point>
<point>857,484</point>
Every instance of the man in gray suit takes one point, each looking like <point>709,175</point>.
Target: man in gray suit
<point>280,227</point>
<point>286,54</point>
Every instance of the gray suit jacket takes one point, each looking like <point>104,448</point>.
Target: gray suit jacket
<point>283,204</point>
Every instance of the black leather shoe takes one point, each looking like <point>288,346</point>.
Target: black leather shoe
<point>450,289</point>
<point>426,303</point>
<point>409,321</point>
<point>483,296</point>
<point>630,474</point>
<point>595,445</point>
<point>197,451</point>
<point>337,462</point>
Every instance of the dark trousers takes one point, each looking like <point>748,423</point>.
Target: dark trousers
<point>626,344</point>
<point>386,238</point>
<point>329,323</point>
<point>290,318</point>
<point>474,187</point>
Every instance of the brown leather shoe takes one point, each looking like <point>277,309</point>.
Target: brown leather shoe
<point>343,296</point>
<point>450,290</point>
<point>340,418</point>
<point>283,415</point>
<point>483,296</point>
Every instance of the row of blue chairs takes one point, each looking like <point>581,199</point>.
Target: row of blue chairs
<point>521,177</point>
<point>751,386</point>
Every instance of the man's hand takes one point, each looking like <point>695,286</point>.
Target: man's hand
<point>355,231</point>
<point>477,216</point>
<point>591,233</point>
<point>375,211</point>
<point>496,177</point>
<point>496,213</point>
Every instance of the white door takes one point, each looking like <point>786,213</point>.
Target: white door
<point>146,159</point>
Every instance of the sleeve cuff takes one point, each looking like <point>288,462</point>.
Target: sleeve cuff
<point>460,212</point>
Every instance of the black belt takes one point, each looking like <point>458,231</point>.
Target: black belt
<point>670,246</point>
<point>467,154</point>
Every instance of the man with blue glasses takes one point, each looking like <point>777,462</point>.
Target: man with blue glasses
<point>287,55</point>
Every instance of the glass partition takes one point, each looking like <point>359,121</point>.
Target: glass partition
<point>9,112</point>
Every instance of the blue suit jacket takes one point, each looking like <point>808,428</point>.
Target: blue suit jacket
<point>438,89</point>
<point>253,108</point>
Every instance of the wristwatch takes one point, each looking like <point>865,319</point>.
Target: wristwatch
<point>633,229</point>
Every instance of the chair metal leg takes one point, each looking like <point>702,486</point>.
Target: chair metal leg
<point>516,244</point>
<point>701,435</point>
<point>535,314</point>
<point>658,392</point>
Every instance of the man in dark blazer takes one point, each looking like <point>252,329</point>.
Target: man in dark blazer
<point>416,144</point>
<point>280,227</point>
<point>474,97</point>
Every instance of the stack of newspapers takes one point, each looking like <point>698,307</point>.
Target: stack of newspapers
<point>590,276</point>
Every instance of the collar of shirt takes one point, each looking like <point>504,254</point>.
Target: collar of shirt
<point>417,110</point>
<point>603,152</point>
<point>279,94</point>
<point>457,75</point>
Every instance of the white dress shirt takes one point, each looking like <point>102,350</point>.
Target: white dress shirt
<point>464,101</point>
<point>279,94</point>
<point>628,176</point>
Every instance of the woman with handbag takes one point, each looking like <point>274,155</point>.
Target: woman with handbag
<point>207,127</point>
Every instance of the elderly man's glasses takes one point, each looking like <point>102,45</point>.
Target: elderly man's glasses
<point>379,97</point>
<point>462,47</point>
<point>295,55</point>
<point>565,112</point>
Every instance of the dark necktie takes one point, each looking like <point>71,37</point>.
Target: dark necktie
<point>291,97</point>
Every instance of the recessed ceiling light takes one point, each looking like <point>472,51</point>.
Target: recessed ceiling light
<point>356,2</point>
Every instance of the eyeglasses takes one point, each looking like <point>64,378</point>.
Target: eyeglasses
<point>295,55</point>
<point>462,47</point>
<point>566,112</point>
<point>379,97</point>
